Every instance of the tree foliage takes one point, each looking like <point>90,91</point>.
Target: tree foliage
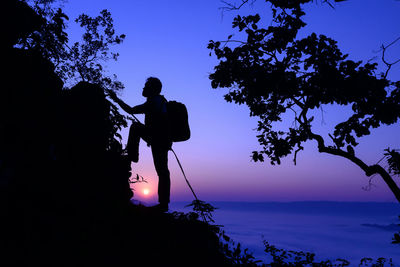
<point>84,60</point>
<point>80,61</point>
<point>51,38</point>
<point>393,159</point>
<point>275,73</point>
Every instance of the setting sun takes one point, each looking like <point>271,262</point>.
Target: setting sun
<point>146,191</point>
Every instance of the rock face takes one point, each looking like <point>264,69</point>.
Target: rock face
<point>58,169</point>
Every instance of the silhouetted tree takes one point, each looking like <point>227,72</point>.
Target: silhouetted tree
<point>278,75</point>
<point>80,61</point>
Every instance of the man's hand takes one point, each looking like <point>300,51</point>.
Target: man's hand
<point>121,103</point>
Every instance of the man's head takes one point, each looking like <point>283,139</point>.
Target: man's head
<point>152,87</point>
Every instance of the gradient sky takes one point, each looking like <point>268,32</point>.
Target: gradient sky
<point>168,39</point>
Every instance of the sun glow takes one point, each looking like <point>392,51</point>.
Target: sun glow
<point>146,191</point>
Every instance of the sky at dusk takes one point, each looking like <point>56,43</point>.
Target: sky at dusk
<point>168,40</point>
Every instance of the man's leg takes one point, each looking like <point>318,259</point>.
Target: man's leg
<point>136,131</point>
<point>160,157</point>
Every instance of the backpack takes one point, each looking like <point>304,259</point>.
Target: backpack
<point>178,121</point>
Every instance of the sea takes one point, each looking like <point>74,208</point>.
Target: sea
<point>331,230</point>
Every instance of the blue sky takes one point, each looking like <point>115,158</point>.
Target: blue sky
<point>168,39</point>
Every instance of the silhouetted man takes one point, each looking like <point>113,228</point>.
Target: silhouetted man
<point>155,132</point>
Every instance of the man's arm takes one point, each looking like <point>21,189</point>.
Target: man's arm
<point>139,109</point>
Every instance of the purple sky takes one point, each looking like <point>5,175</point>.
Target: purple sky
<point>168,39</point>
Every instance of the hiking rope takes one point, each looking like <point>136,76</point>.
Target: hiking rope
<point>184,175</point>
<point>136,119</point>
<point>203,213</point>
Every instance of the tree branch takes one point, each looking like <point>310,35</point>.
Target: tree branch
<point>295,154</point>
<point>369,170</point>
<point>230,7</point>
<point>388,65</point>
